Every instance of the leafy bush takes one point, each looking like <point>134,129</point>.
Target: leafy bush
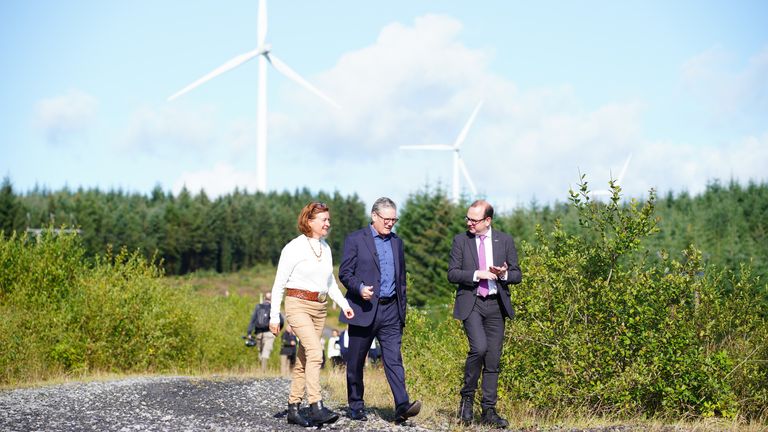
<point>604,325</point>
<point>599,328</point>
<point>63,313</point>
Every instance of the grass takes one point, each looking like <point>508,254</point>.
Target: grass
<point>439,414</point>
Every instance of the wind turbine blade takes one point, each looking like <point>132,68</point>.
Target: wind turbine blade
<point>466,176</point>
<point>465,131</point>
<point>290,73</point>
<point>427,147</point>
<point>624,169</point>
<point>262,23</point>
<point>231,64</point>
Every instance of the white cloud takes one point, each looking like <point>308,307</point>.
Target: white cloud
<point>729,89</point>
<point>417,84</point>
<point>222,179</point>
<point>677,166</point>
<point>170,130</point>
<point>68,115</point>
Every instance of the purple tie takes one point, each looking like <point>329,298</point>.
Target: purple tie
<point>482,289</point>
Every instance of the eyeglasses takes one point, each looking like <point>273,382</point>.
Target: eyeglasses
<point>473,222</point>
<point>387,220</point>
<point>320,205</point>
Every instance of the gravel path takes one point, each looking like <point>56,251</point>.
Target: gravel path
<point>164,404</point>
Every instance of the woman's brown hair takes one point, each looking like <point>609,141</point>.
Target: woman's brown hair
<point>309,212</point>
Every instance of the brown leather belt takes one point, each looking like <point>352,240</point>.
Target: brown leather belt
<point>305,295</point>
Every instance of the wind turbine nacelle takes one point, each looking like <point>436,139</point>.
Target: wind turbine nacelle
<point>264,49</point>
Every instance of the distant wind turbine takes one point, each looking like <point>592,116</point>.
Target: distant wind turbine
<point>458,163</point>
<point>619,180</point>
<point>264,52</point>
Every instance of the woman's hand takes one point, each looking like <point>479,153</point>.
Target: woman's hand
<point>274,328</point>
<point>349,313</point>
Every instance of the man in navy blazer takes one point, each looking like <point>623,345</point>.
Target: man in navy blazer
<point>483,264</point>
<point>373,271</point>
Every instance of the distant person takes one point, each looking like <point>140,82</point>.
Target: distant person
<point>374,353</point>
<point>373,271</point>
<point>322,344</point>
<point>334,349</point>
<point>305,276</point>
<point>483,264</point>
<point>258,333</point>
<point>288,351</point>
<point>344,345</point>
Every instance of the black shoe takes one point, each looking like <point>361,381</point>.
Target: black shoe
<point>465,410</point>
<point>407,410</point>
<point>489,417</point>
<point>358,414</point>
<point>320,415</point>
<point>295,418</point>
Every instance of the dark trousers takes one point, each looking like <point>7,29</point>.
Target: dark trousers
<point>386,327</point>
<point>485,331</point>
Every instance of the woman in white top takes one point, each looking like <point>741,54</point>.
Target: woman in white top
<point>305,276</point>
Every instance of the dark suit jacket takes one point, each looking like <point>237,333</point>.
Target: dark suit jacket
<point>464,263</point>
<point>360,265</point>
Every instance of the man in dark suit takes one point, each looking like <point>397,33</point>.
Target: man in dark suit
<point>483,263</point>
<point>373,271</point>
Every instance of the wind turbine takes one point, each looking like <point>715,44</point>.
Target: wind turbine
<point>264,53</point>
<point>458,163</point>
<point>619,180</point>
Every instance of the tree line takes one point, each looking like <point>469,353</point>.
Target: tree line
<point>187,232</point>
<point>190,232</point>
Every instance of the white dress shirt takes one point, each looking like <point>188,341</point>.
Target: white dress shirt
<point>488,243</point>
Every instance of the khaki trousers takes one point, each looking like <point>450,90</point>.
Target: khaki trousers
<point>307,319</point>
<point>265,340</point>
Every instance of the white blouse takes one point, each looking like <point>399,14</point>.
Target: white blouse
<point>300,267</point>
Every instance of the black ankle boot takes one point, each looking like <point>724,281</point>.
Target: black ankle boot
<point>465,410</point>
<point>321,415</point>
<point>295,418</point>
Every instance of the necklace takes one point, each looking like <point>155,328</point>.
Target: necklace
<point>317,255</point>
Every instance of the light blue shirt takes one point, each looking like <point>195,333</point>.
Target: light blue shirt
<point>386,263</point>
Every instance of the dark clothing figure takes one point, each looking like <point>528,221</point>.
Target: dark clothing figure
<point>373,271</point>
<point>483,264</point>
<point>288,353</point>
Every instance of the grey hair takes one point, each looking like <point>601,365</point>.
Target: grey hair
<point>381,203</point>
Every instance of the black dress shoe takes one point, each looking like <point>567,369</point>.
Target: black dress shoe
<point>358,414</point>
<point>294,417</point>
<point>465,410</point>
<point>320,415</point>
<point>407,410</point>
<point>491,418</point>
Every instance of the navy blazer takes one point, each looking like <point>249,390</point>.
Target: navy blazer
<point>360,265</point>
<point>464,263</point>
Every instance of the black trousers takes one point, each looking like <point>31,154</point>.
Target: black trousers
<point>485,331</point>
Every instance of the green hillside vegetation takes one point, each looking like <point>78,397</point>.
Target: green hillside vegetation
<point>604,326</point>
<point>626,309</point>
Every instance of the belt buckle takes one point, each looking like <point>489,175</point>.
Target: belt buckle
<point>321,297</point>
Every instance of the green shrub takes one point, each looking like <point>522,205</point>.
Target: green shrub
<point>606,326</point>
<point>63,313</point>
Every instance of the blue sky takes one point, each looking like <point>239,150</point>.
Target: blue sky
<point>568,87</point>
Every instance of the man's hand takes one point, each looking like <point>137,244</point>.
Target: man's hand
<point>499,271</point>
<point>274,328</point>
<point>485,274</point>
<point>349,313</point>
<point>366,292</point>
